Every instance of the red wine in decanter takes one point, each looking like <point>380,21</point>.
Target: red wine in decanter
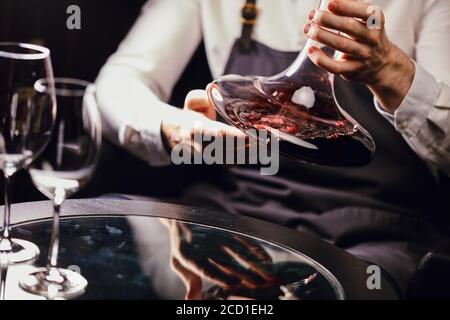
<point>304,117</point>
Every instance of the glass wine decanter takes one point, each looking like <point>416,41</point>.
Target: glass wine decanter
<point>298,107</point>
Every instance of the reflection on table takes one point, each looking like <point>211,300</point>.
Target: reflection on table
<point>138,257</point>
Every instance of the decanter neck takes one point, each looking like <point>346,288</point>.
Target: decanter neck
<point>295,70</point>
<point>323,4</point>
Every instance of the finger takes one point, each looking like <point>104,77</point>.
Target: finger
<point>249,268</point>
<point>347,25</point>
<point>212,132</point>
<point>192,282</point>
<point>350,8</point>
<point>183,231</point>
<point>217,129</point>
<point>239,298</point>
<point>255,250</point>
<point>209,127</point>
<point>179,135</point>
<point>320,59</point>
<point>188,150</point>
<point>229,131</point>
<point>166,222</point>
<point>211,271</point>
<point>336,41</point>
<point>203,268</point>
<point>185,140</point>
<point>198,101</point>
<point>230,267</point>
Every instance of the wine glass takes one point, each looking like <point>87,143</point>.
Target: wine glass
<point>26,119</point>
<point>65,166</point>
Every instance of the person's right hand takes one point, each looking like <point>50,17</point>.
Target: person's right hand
<point>226,260</point>
<point>197,117</point>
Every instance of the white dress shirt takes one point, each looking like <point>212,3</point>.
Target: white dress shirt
<point>137,81</point>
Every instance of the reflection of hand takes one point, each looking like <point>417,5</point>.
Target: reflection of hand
<point>226,260</point>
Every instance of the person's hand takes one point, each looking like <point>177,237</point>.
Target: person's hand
<point>228,261</point>
<point>197,117</point>
<point>368,55</point>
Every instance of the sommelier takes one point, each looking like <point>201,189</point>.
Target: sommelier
<point>390,212</point>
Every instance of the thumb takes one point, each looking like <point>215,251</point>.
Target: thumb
<point>192,282</point>
<point>197,100</point>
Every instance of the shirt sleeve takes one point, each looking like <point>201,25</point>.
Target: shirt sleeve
<point>423,118</point>
<point>137,81</point>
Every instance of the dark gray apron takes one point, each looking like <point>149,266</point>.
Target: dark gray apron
<point>390,212</point>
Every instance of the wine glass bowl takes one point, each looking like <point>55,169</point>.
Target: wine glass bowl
<point>26,120</point>
<point>69,161</point>
<point>63,168</point>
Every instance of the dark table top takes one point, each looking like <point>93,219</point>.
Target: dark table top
<point>124,250</point>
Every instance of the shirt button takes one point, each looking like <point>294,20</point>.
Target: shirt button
<point>131,136</point>
<point>403,125</point>
<point>135,138</point>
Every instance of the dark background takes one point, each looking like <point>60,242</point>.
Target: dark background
<point>81,54</point>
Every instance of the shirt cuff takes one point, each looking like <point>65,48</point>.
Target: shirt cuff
<point>146,143</point>
<point>144,137</point>
<point>414,110</point>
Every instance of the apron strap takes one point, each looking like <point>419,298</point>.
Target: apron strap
<point>248,21</point>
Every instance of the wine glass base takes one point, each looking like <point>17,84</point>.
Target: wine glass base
<point>63,284</point>
<point>14,251</point>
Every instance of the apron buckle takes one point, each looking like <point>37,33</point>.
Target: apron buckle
<point>249,14</point>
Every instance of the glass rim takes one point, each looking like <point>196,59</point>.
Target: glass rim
<point>41,52</point>
<point>42,86</point>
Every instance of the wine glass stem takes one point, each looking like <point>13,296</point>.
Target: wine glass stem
<point>54,243</point>
<point>7,212</point>
<point>3,274</point>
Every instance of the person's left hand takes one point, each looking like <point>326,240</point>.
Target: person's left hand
<point>368,55</point>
